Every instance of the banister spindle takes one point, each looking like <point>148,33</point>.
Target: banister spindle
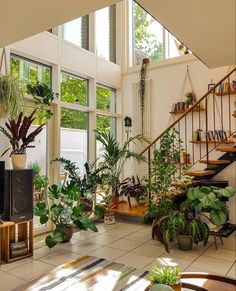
<point>207,139</point>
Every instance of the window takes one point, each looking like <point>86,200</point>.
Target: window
<point>106,33</point>
<point>106,99</point>
<point>74,89</point>
<point>28,71</point>
<point>74,136</point>
<point>77,31</point>
<point>149,38</point>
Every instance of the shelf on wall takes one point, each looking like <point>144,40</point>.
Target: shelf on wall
<point>182,111</point>
<point>213,142</point>
<point>226,93</point>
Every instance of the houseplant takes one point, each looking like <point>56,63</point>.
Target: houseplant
<point>35,168</point>
<point>41,184</point>
<point>114,156</point>
<point>43,96</point>
<point>133,190</point>
<point>104,206</point>
<point>177,226</point>
<point>209,199</point>
<point>20,139</point>
<point>64,207</point>
<point>166,275</point>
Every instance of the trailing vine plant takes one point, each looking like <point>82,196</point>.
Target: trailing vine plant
<point>142,88</point>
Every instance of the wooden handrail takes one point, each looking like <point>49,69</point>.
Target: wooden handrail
<point>187,111</point>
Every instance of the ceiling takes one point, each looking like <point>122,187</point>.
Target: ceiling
<point>206,27</point>
<point>24,18</point>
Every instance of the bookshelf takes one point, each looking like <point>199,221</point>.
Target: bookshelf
<point>182,111</point>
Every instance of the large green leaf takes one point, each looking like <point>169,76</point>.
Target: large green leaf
<point>43,219</point>
<point>225,192</point>
<point>208,200</point>
<point>218,217</point>
<point>50,241</point>
<point>193,193</point>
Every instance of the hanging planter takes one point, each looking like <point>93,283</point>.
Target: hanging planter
<point>11,95</point>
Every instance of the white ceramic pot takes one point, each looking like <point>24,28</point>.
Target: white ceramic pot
<point>18,161</point>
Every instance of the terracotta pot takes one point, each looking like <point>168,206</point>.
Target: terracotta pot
<point>18,161</point>
<point>185,242</point>
<point>109,219</point>
<point>177,287</point>
<point>68,230</point>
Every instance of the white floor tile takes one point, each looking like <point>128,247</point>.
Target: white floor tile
<point>9,282</point>
<point>134,260</point>
<point>107,253</point>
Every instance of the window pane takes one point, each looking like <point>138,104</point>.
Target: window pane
<point>172,46</point>
<point>74,136</point>
<point>74,90</point>
<point>30,72</point>
<point>106,33</point>
<point>148,36</point>
<point>107,123</point>
<point>76,32</point>
<point>106,99</point>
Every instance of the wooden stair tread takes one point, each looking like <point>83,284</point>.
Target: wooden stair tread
<point>213,142</point>
<point>184,185</point>
<point>226,150</point>
<point>215,162</point>
<point>200,173</point>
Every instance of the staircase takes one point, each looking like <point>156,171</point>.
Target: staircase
<point>206,133</point>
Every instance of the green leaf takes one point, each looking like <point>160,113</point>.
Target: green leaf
<point>99,210</point>
<point>58,234</point>
<point>41,205</point>
<point>218,217</point>
<point>54,191</point>
<point>193,193</point>
<point>43,219</point>
<point>208,200</point>
<point>50,241</point>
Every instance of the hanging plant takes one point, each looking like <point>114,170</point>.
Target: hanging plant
<point>143,71</point>
<point>43,96</point>
<point>11,95</point>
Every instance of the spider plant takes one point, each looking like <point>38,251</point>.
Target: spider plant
<point>114,156</point>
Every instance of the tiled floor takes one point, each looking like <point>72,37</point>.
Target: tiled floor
<point>127,243</point>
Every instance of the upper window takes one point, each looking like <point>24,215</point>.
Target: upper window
<point>77,31</point>
<point>74,89</point>
<point>29,71</point>
<point>106,98</point>
<point>150,39</point>
<point>106,33</point>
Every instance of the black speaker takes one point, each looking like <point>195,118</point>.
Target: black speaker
<point>18,195</point>
<point>2,174</point>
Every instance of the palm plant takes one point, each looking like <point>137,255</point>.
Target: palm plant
<point>17,133</point>
<point>114,156</point>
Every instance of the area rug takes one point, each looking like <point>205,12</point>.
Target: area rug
<point>90,273</point>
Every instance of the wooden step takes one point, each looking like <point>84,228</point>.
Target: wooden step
<point>226,150</point>
<point>215,162</point>
<point>186,184</point>
<point>234,115</point>
<point>200,173</point>
<point>213,142</point>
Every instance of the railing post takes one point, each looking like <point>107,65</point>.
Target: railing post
<point>149,175</point>
<point>207,145</point>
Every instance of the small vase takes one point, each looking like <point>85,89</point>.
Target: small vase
<point>177,286</point>
<point>18,161</point>
<point>185,242</point>
<point>68,230</point>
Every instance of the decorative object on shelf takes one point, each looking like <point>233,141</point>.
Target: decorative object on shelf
<point>133,190</point>
<point>191,98</point>
<point>19,249</point>
<point>142,87</point>
<point>213,136</point>
<point>166,275</point>
<point>226,88</point>
<point>20,140</point>
<point>128,125</point>
<point>11,95</point>
<point>43,97</point>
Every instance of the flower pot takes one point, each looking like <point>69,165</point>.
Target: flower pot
<point>109,219</point>
<point>68,230</point>
<point>185,242</point>
<point>164,287</point>
<point>132,202</point>
<point>18,161</point>
<point>177,287</point>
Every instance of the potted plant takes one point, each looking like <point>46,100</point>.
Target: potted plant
<point>114,157</point>
<point>177,226</point>
<point>43,96</point>
<point>11,97</point>
<point>105,204</point>
<point>41,184</point>
<point>191,98</point>
<point>133,190</point>
<point>35,168</point>
<point>20,139</point>
<point>166,275</point>
<point>64,207</point>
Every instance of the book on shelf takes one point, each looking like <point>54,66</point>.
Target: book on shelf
<point>18,245</point>
<point>19,252</point>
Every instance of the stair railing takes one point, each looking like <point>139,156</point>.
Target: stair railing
<point>202,127</point>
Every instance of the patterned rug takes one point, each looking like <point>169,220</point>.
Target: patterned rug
<point>90,273</point>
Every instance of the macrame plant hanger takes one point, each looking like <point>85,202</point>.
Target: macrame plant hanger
<point>186,78</point>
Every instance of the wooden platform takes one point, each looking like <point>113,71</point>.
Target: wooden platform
<point>200,173</point>
<point>123,209</point>
<point>215,162</point>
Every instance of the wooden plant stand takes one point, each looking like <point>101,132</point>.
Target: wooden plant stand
<point>14,232</point>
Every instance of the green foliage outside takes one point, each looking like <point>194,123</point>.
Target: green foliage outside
<point>144,40</point>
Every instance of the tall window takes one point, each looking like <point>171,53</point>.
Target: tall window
<point>77,31</point>
<point>27,71</point>
<point>106,33</point>
<point>149,37</point>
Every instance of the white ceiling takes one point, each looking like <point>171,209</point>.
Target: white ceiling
<point>20,19</point>
<point>206,27</point>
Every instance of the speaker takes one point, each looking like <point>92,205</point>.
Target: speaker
<point>2,173</point>
<point>18,195</point>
